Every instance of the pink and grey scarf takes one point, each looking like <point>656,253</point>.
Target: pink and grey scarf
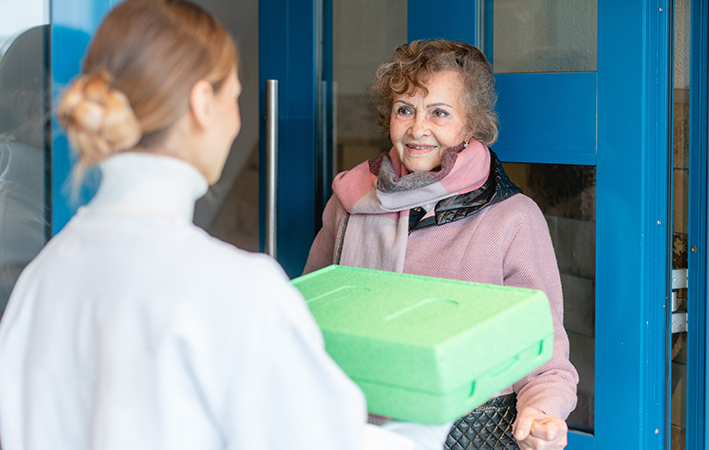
<point>379,193</point>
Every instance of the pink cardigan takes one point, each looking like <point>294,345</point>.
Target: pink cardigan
<point>504,244</point>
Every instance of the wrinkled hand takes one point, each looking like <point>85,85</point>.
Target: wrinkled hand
<point>535,430</point>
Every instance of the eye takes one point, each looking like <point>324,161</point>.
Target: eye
<point>439,113</point>
<point>404,111</point>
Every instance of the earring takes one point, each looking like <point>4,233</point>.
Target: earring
<point>465,144</point>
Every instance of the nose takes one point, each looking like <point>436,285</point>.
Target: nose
<point>419,126</point>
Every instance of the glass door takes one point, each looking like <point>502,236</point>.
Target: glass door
<point>290,51</point>
<point>544,55</point>
<point>24,143</point>
<point>230,209</point>
<point>583,100</point>
<point>584,92</point>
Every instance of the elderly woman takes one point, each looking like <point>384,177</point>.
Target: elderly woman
<point>439,204</point>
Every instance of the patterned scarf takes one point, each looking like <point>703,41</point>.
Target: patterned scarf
<point>379,193</point>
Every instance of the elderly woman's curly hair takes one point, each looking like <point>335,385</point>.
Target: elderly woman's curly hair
<point>411,65</point>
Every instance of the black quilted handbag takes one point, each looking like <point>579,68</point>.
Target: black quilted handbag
<point>488,427</point>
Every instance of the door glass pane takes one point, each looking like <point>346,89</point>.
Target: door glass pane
<point>229,210</point>
<point>680,202</point>
<point>24,142</point>
<point>566,195</point>
<point>365,33</point>
<point>544,36</point>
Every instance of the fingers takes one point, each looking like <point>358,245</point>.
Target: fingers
<point>533,443</point>
<point>549,428</point>
<point>535,430</point>
<point>524,421</point>
<point>523,427</point>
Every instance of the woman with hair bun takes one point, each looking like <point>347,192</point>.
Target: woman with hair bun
<point>134,329</point>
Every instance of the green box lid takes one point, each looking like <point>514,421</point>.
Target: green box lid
<point>427,349</point>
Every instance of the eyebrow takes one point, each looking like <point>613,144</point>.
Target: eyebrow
<point>431,105</point>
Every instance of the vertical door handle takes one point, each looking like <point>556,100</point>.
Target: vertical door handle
<point>271,165</point>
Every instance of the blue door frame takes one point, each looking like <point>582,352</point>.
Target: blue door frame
<point>697,435</point>
<point>631,88</point>
<point>288,52</point>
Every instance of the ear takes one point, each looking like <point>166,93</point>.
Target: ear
<point>201,106</point>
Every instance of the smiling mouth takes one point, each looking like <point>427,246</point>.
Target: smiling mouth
<point>420,148</point>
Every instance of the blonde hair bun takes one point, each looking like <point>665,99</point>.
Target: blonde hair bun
<point>99,120</point>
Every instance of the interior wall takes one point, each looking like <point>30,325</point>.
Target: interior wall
<point>365,34</point>
<point>545,36</point>
<point>241,20</point>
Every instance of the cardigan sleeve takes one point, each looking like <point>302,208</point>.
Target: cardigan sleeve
<point>530,262</point>
<point>324,249</point>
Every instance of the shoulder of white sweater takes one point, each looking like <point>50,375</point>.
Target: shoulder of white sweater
<point>253,287</point>
<point>224,255</point>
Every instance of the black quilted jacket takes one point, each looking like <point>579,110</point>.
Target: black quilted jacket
<point>498,187</point>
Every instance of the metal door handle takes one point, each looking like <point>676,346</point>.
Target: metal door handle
<point>271,165</point>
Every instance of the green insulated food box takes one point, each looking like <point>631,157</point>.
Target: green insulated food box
<point>426,349</point>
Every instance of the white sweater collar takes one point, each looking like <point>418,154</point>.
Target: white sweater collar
<point>141,184</point>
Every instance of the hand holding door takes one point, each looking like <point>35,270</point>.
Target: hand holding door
<point>537,431</point>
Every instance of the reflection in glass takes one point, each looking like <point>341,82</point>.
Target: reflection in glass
<point>541,36</point>
<point>567,196</point>
<point>24,114</point>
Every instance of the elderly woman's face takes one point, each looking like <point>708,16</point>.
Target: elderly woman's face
<point>422,126</point>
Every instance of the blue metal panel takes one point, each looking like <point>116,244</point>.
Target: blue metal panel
<point>697,434</point>
<point>547,118</point>
<point>72,24</point>
<point>454,19</point>
<point>489,30</point>
<point>656,191</point>
<point>326,125</point>
<point>580,441</point>
<point>631,259</point>
<point>287,53</point>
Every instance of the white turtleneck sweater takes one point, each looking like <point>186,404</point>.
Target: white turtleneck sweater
<point>134,329</point>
